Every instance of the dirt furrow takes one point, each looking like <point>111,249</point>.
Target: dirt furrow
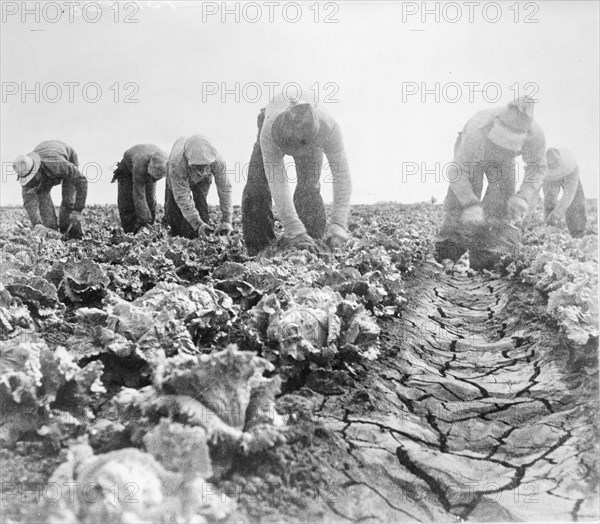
<point>473,411</point>
<point>481,412</point>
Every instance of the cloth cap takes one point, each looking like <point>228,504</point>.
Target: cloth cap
<point>511,126</point>
<point>157,167</point>
<point>295,127</point>
<point>198,151</point>
<point>26,167</point>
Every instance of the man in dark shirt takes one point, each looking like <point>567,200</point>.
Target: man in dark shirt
<point>142,166</point>
<point>50,164</point>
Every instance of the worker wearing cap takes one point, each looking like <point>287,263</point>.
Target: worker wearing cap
<point>488,145</point>
<point>304,131</point>
<point>136,174</point>
<point>191,166</point>
<point>50,164</point>
<point>563,173</point>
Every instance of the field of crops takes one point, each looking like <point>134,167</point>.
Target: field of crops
<point>155,379</point>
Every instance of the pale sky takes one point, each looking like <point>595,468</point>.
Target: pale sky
<point>364,65</point>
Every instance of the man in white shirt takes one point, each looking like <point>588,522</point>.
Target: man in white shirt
<point>304,131</point>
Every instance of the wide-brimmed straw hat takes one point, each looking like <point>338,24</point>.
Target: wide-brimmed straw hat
<point>26,167</point>
<point>512,125</point>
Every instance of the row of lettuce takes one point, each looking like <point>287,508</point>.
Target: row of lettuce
<point>564,273</point>
<point>158,360</point>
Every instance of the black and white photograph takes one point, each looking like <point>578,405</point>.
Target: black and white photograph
<point>296,262</point>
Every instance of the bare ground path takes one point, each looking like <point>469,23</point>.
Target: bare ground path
<point>477,410</point>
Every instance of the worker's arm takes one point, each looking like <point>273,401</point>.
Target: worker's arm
<point>467,156</point>
<point>569,185</point>
<point>534,157</point>
<point>340,173</point>
<point>140,203</point>
<point>182,194</point>
<point>279,185</point>
<point>32,205</point>
<point>219,170</point>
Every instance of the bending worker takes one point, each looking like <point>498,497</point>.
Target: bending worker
<point>304,131</point>
<point>488,145</point>
<point>563,173</point>
<point>192,164</point>
<point>50,164</point>
<point>136,174</point>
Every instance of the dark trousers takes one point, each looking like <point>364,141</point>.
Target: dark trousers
<point>454,239</point>
<point>48,212</point>
<point>125,200</point>
<point>576,214</point>
<point>258,223</point>
<point>257,214</point>
<point>173,216</point>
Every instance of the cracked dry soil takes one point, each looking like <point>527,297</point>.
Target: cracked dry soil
<point>476,410</point>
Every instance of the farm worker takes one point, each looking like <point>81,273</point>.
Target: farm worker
<point>488,145</point>
<point>563,173</point>
<point>191,166</point>
<point>304,131</point>
<point>142,166</point>
<point>50,164</point>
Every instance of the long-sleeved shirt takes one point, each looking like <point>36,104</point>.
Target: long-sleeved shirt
<point>191,151</point>
<point>473,152</point>
<point>135,164</point>
<point>329,139</point>
<point>56,151</point>
<point>59,165</point>
<point>565,176</point>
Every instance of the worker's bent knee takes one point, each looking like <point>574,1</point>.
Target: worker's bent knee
<point>447,249</point>
<point>480,259</point>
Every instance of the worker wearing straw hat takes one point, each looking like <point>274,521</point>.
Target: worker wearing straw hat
<point>50,164</point>
<point>488,145</point>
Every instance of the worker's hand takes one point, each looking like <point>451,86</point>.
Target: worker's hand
<point>473,217</point>
<point>45,232</point>
<point>75,227</point>
<point>225,229</point>
<point>302,241</point>
<point>75,219</point>
<point>204,230</point>
<point>517,208</point>
<point>336,236</point>
<point>142,229</point>
<point>555,218</point>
